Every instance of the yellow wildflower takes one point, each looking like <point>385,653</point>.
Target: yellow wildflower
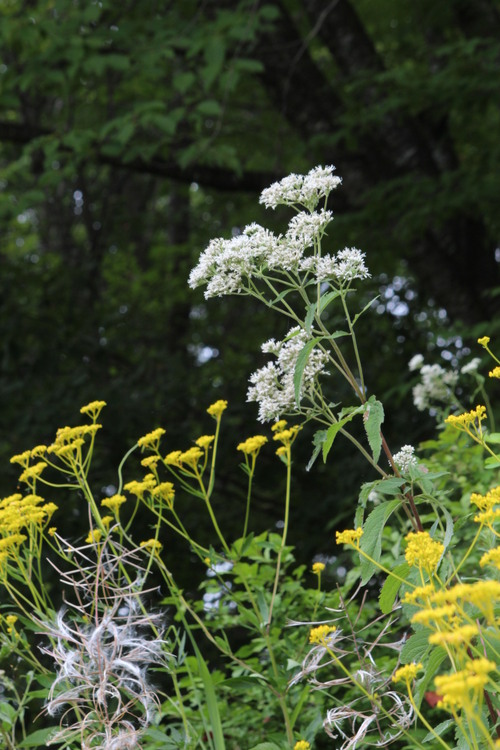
<point>114,502</point>
<point>32,472</point>
<point>464,687</point>
<point>418,593</point>
<point>165,491</point>
<point>205,441</point>
<point>139,488</point>
<point>436,614</point>
<point>302,745</point>
<point>94,535</point>
<point>14,540</point>
<point>252,445</point>
<point>486,502</point>
<point>172,458</point>
<point>422,551</point>
<point>107,521</point>
<point>282,451</point>
<point>350,536</point>
<point>153,545</point>
<point>49,509</point>
<point>318,568</point>
<point>406,673</point>
<point>150,462</point>
<point>216,409</point>
<point>495,373</point>
<point>38,450</point>
<point>484,341</point>
<point>152,439</point>
<point>456,637</point>
<point>191,457</point>
<point>10,621</point>
<point>21,458</point>
<point>491,558</point>
<point>278,426</point>
<point>287,436</point>
<point>320,634</point>
<point>93,409</point>
<point>467,421</point>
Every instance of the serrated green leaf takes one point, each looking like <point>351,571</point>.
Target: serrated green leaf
<point>438,730</point>
<point>371,541</point>
<point>372,425</point>
<point>391,587</point>
<point>493,437</point>
<point>416,647</point>
<point>325,299</point>
<point>436,658</point>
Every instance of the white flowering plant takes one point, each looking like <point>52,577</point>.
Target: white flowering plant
<point>265,654</point>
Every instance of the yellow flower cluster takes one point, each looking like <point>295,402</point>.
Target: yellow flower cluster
<point>495,373</point>
<point>252,445</point>
<point>320,634</point>
<point>153,545</point>
<point>165,491</point>
<point>301,745</point>
<point>422,551</point>
<point>486,505</point>
<point>152,439</point>
<point>216,409</point>
<point>463,689</point>
<point>318,568</point>
<point>140,488</point>
<point>93,409</point>
<point>491,558</point>
<point>406,673</point>
<point>350,536</point>
<point>113,503</point>
<point>286,436</point>
<point>205,441</point>
<point>469,422</point>
<point>28,512</point>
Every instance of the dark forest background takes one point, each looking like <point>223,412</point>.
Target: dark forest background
<point>132,133</point>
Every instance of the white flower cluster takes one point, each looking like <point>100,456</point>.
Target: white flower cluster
<point>436,386</point>
<point>226,266</point>
<point>344,267</point>
<point>272,386</point>
<point>471,367</point>
<point>405,458</point>
<point>225,263</point>
<point>304,190</point>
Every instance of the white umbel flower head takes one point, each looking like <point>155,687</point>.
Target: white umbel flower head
<point>272,386</point>
<point>436,386</point>
<point>471,367</point>
<point>301,190</point>
<point>416,362</point>
<point>225,264</point>
<point>405,458</point>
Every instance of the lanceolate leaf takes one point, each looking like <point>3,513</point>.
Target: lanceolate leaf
<point>391,587</point>
<point>371,541</point>
<point>372,422</point>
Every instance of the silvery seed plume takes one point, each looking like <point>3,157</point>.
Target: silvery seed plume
<point>102,644</point>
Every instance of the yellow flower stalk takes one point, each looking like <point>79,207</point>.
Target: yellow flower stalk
<point>215,410</point>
